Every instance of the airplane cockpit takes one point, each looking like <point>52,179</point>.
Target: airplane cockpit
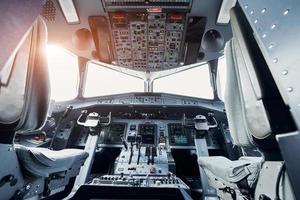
<point>149,99</point>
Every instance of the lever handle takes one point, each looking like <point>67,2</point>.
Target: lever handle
<point>67,112</point>
<point>124,142</point>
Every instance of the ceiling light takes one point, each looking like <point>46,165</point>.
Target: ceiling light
<point>69,11</point>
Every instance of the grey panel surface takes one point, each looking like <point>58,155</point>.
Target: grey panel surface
<point>266,183</point>
<point>289,145</point>
<point>9,165</point>
<point>276,28</point>
<point>142,99</point>
<point>210,9</point>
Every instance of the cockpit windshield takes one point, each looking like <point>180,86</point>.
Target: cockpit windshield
<point>193,82</point>
<point>103,81</point>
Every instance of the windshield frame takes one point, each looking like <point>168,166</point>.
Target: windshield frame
<point>147,77</point>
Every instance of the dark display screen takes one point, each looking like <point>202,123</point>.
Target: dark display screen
<point>179,135</point>
<point>114,134</point>
<point>147,131</point>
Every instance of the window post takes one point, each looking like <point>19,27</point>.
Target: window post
<point>82,65</point>
<point>213,70</point>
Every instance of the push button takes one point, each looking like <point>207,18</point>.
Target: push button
<point>152,169</point>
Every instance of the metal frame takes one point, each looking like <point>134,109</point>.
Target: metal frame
<point>289,149</point>
<point>90,147</point>
<point>276,28</point>
<point>202,151</point>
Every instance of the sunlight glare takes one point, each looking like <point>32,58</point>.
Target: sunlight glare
<point>63,73</point>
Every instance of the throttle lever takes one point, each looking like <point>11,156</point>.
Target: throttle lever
<point>124,142</point>
<point>67,112</point>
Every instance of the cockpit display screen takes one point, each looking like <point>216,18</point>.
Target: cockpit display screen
<point>114,134</point>
<point>147,131</point>
<point>179,135</point>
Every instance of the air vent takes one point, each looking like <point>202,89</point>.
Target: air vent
<point>49,11</point>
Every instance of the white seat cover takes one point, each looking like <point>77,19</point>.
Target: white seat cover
<point>232,171</point>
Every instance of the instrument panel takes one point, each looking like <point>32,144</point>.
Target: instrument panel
<point>115,133</point>
<point>148,133</point>
<point>147,4</point>
<point>156,99</point>
<point>180,135</point>
<point>170,133</point>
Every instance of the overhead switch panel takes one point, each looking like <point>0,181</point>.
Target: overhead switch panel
<point>150,41</point>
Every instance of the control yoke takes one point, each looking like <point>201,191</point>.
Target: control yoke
<point>93,120</point>
<point>201,123</point>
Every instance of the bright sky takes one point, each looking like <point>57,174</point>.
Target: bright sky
<point>64,77</point>
<point>193,82</point>
<point>63,73</point>
<point>102,81</point>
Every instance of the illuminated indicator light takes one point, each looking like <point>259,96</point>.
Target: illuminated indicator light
<point>154,10</point>
<point>118,16</point>
<point>176,17</point>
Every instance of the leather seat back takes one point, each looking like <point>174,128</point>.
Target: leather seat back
<point>43,162</point>
<point>246,113</point>
<point>24,100</point>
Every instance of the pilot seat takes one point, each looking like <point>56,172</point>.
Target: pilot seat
<point>45,171</point>
<point>249,124</point>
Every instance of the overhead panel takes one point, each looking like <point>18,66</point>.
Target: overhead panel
<point>148,35</point>
<point>150,41</point>
<point>140,35</point>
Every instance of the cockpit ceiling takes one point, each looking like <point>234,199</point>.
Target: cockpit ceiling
<point>142,35</point>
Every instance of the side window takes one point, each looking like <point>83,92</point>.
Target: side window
<point>63,73</point>
<point>222,76</point>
